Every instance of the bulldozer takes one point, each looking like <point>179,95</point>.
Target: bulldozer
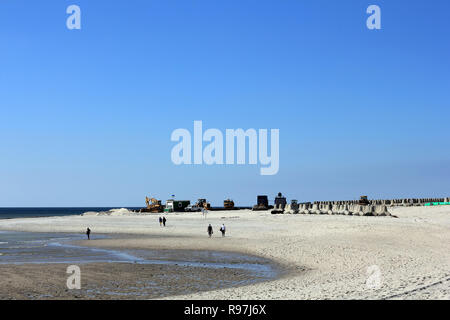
<point>153,205</point>
<point>228,204</point>
<point>262,204</point>
<point>203,203</point>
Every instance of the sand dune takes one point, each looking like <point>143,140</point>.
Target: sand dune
<point>325,257</point>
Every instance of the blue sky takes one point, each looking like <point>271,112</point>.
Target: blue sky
<point>86,115</point>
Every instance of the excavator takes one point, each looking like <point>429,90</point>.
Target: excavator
<point>153,205</point>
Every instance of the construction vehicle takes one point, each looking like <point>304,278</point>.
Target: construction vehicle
<point>294,206</point>
<point>153,205</point>
<point>198,206</point>
<point>202,203</point>
<point>364,201</point>
<point>279,204</point>
<point>228,204</point>
<point>280,201</point>
<point>262,204</point>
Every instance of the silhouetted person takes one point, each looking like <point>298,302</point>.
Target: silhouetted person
<point>210,230</point>
<point>88,233</point>
<point>164,221</point>
<point>223,229</point>
<point>160,221</point>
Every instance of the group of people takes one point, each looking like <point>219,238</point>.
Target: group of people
<point>162,221</point>
<point>211,231</point>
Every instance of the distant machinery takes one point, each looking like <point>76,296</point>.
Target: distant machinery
<point>280,201</point>
<point>153,205</point>
<point>228,204</point>
<point>202,203</point>
<point>262,204</point>
<point>364,201</point>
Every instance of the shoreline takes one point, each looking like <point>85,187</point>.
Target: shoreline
<point>144,273</point>
<point>327,256</point>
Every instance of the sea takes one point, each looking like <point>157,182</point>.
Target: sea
<point>15,213</point>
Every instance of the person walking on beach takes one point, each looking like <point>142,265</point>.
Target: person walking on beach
<point>164,221</point>
<point>210,230</point>
<point>88,233</point>
<point>160,221</point>
<point>222,229</point>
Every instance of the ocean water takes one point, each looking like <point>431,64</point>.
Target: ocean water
<point>13,213</point>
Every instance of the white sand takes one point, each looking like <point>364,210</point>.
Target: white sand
<point>328,256</point>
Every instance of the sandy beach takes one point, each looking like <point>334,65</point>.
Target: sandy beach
<point>323,256</point>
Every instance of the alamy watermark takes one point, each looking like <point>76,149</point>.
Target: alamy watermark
<point>73,22</point>
<point>74,280</point>
<point>235,139</point>
<point>374,20</point>
<point>374,277</point>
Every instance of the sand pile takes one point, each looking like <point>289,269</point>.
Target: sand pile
<point>112,212</point>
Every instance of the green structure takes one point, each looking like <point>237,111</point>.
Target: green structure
<point>176,205</point>
<point>437,204</point>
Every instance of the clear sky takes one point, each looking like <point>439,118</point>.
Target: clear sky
<point>86,115</point>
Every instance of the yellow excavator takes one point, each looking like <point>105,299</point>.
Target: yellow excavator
<point>153,205</point>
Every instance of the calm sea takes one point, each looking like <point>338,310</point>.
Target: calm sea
<point>13,213</point>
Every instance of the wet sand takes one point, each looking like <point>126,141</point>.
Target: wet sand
<point>113,281</point>
<point>33,266</point>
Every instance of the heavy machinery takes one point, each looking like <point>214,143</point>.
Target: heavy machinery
<point>228,204</point>
<point>262,204</point>
<point>203,203</point>
<point>198,206</point>
<point>364,201</point>
<point>294,206</point>
<point>280,201</point>
<point>153,205</point>
<point>279,204</point>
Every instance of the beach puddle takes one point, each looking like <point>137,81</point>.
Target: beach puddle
<point>122,274</point>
